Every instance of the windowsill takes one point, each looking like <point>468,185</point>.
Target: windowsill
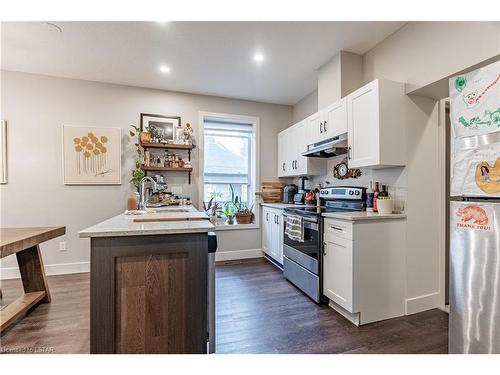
<point>236,226</point>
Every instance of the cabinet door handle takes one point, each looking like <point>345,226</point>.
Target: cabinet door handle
<point>320,129</point>
<point>267,216</point>
<point>283,167</point>
<point>349,153</point>
<point>324,126</point>
<point>336,228</point>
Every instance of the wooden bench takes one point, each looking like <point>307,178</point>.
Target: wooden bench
<point>24,242</point>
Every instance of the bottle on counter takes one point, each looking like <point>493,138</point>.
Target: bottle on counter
<point>369,198</point>
<point>146,159</point>
<point>384,193</point>
<point>133,201</point>
<point>376,192</point>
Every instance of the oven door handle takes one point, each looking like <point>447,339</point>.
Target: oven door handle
<point>305,219</point>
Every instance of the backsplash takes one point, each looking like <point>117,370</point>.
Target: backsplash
<point>394,178</point>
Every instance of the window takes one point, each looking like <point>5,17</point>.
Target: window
<point>228,158</point>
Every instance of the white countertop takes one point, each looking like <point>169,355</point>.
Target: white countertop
<point>124,225</point>
<point>281,205</point>
<point>355,216</point>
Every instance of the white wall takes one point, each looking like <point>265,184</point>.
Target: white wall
<point>305,107</point>
<point>421,53</point>
<point>36,106</point>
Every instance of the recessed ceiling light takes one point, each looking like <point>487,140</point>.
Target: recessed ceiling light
<point>258,57</point>
<point>164,69</point>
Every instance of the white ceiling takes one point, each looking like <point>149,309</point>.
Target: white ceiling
<point>213,58</point>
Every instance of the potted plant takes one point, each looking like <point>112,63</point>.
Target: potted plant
<point>211,209</point>
<point>244,213</point>
<point>228,212</point>
<point>137,172</point>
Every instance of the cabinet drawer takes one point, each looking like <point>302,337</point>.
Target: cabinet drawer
<point>337,229</point>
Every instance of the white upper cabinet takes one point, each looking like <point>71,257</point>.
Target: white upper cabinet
<point>329,122</point>
<point>292,142</point>
<point>376,125</point>
<point>334,118</point>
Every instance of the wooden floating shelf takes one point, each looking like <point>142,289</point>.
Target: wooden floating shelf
<point>168,145</point>
<point>166,169</point>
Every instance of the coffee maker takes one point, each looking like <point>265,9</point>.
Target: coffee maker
<point>299,197</point>
<point>289,192</point>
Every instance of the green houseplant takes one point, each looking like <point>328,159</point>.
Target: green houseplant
<point>244,212</point>
<point>228,212</point>
<point>137,172</point>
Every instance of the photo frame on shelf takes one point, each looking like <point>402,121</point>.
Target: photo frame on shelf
<point>91,155</point>
<point>161,127</point>
<point>3,152</point>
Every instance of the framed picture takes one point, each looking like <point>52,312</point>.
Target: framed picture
<point>160,127</point>
<point>91,155</point>
<point>3,152</point>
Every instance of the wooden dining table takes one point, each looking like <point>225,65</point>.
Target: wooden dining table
<point>25,244</point>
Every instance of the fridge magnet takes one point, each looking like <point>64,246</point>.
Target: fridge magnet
<point>3,152</point>
<point>488,177</point>
<point>91,155</point>
<point>473,217</point>
<point>341,171</point>
<point>475,101</point>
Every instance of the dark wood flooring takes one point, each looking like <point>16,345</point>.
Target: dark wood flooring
<point>258,311</point>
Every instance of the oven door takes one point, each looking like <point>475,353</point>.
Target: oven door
<point>305,253</point>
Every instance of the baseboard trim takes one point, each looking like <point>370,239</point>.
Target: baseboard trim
<point>221,256</point>
<point>50,270</point>
<point>422,303</point>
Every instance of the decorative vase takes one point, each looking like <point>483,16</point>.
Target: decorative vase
<point>230,220</point>
<point>145,137</point>
<point>244,218</point>
<point>213,219</point>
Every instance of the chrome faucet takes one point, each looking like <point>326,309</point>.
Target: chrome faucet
<point>143,196</point>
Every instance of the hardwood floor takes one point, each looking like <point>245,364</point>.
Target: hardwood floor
<point>258,311</point>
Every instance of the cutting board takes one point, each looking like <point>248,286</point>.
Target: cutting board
<point>165,216</point>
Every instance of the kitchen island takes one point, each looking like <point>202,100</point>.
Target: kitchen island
<point>148,284</point>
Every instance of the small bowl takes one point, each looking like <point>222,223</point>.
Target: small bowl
<point>385,206</point>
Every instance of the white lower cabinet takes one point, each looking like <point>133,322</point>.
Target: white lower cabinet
<point>364,268</point>
<point>272,233</point>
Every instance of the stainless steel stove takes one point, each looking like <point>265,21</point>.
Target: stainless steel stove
<point>303,261</point>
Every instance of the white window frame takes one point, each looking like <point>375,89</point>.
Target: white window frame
<point>254,160</point>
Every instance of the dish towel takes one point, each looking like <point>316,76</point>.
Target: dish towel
<point>294,228</point>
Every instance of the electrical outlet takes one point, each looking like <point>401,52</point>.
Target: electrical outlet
<point>62,246</point>
<point>177,189</point>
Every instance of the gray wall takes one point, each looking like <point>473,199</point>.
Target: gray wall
<point>305,107</point>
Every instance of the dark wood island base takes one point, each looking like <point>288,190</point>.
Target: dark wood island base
<point>149,294</point>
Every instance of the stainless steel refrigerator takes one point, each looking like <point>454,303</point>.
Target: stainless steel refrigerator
<point>474,325</point>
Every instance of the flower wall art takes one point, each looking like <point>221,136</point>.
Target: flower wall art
<point>91,155</point>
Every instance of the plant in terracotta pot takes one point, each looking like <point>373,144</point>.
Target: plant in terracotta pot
<point>244,212</point>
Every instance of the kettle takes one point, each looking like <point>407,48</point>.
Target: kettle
<point>310,197</point>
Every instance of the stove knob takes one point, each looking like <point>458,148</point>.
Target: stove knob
<point>351,192</point>
<point>326,192</point>
<point>357,192</point>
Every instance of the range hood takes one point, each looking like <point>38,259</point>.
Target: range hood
<point>328,148</point>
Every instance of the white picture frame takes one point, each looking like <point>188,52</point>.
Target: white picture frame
<point>91,155</point>
<point>3,152</point>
